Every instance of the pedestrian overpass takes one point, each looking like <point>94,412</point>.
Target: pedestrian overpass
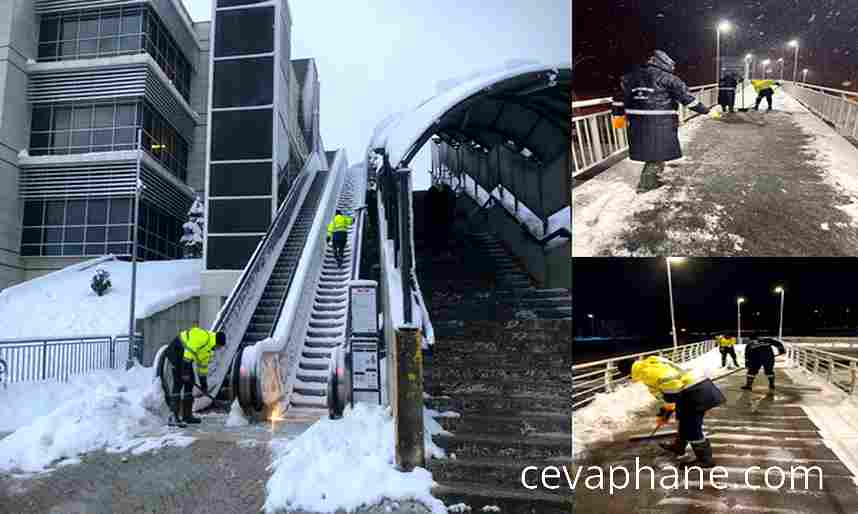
<point>779,183</point>
<point>804,430</point>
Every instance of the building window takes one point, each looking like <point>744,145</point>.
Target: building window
<point>63,129</point>
<point>97,226</point>
<point>109,32</point>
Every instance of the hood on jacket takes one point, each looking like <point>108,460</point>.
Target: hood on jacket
<point>662,60</point>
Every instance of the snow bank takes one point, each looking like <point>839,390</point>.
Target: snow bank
<point>612,413</point>
<point>117,411</point>
<point>62,303</point>
<point>347,463</point>
<point>236,416</point>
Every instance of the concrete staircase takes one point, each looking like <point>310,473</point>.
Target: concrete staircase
<point>510,382</point>
<point>327,328</point>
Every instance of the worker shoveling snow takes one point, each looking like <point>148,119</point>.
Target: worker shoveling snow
<point>348,463</point>
<point>117,411</point>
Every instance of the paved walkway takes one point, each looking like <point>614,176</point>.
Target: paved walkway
<point>778,183</point>
<point>751,429</point>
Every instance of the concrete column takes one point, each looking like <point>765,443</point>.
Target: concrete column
<point>408,401</point>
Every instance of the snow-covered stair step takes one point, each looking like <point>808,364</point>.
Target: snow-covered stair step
<point>311,388</point>
<point>301,401</point>
<point>325,344</point>
<point>313,375</point>
<point>308,364</point>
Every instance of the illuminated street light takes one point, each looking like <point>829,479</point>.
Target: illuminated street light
<point>804,75</point>
<point>794,43</point>
<point>780,290</point>
<point>724,26</point>
<point>675,260</point>
<point>739,301</point>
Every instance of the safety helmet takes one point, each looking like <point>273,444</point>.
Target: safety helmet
<point>639,367</point>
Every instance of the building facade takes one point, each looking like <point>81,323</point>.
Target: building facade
<point>85,83</point>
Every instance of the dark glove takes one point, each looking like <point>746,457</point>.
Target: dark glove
<point>204,384</point>
<point>664,414</point>
<point>329,239</point>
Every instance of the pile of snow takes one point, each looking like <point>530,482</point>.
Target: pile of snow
<point>236,416</point>
<point>62,304</point>
<point>117,411</point>
<point>317,471</point>
<point>612,413</point>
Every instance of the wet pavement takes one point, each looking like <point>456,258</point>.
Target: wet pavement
<point>777,183</point>
<point>222,471</point>
<point>751,429</point>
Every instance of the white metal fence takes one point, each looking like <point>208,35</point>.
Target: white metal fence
<point>839,370</point>
<point>604,376</point>
<point>837,106</point>
<point>595,140</point>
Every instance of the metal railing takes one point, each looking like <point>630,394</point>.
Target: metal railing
<point>595,140</point>
<point>836,106</point>
<point>839,370</point>
<point>58,358</point>
<point>604,376</point>
<point>236,313</point>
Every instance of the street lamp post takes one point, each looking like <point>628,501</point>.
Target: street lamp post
<point>780,290</point>
<point>138,185</point>
<point>739,301</point>
<point>747,77</point>
<point>794,43</point>
<point>765,65</point>
<point>670,292</point>
<point>781,61</point>
<point>592,324</point>
<point>804,75</point>
<point>724,26</point>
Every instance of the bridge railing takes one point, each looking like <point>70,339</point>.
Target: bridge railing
<point>58,358</point>
<point>604,376</point>
<point>839,370</point>
<point>595,140</point>
<point>836,106</point>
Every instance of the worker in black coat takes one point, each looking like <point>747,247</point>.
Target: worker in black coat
<point>727,92</point>
<point>759,353</point>
<point>650,100</point>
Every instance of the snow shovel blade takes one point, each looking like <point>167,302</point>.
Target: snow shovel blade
<point>655,435</point>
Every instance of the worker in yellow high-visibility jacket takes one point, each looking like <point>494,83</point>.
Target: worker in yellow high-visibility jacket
<point>193,347</point>
<point>690,397</point>
<point>338,232</point>
<point>727,346</point>
<point>764,89</point>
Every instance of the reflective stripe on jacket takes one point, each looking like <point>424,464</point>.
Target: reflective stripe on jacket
<point>199,345</point>
<point>340,223</point>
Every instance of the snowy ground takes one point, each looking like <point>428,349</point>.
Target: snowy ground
<point>55,423</point>
<point>754,183</point>
<point>346,464</point>
<point>613,413</point>
<point>62,304</point>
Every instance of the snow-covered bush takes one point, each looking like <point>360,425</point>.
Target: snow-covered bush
<point>192,239</point>
<point>100,282</point>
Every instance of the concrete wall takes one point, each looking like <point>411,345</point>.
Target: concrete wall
<point>215,285</point>
<point>17,44</point>
<point>160,328</point>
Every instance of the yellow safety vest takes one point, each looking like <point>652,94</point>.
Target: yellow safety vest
<point>759,85</point>
<point>340,223</point>
<point>726,342</point>
<point>199,345</point>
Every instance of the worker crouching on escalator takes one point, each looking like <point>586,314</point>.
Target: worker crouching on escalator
<point>690,397</point>
<point>338,231</point>
<point>191,347</point>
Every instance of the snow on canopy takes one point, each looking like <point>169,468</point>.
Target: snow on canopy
<point>399,133</point>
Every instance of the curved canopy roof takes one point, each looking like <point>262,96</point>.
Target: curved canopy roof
<point>527,105</point>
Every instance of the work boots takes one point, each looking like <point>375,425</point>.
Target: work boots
<point>703,452</point>
<point>747,387</point>
<point>649,177</point>
<point>188,411</point>
<point>677,447</point>
<point>772,382</point>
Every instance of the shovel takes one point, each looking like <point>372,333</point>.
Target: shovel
<point>652,435</point>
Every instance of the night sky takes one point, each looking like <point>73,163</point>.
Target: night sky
<point>634,292</point>
<point>611,36</point>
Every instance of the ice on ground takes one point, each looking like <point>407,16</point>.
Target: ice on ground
<point>116,411</point>
<point>236,416</point>
<point>316,470</point>
<point>62,304</point>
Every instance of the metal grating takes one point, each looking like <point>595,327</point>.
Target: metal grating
<point>46,6</point>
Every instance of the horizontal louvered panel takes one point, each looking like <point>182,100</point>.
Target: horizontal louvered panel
<point>46,6</point>
<point>111,179</point>
<point>169,107</point>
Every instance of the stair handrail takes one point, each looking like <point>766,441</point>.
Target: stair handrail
<point>235,315</point>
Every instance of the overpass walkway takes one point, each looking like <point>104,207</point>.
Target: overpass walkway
<point>750,429</point>
<point>779,183</point>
